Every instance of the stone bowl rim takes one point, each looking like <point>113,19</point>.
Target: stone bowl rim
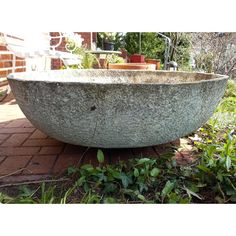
<point>19,76</point>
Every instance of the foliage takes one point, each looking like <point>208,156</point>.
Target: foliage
<point>108,36</point>
<point>112,58</point>
<point>153,46</point>
<point>231,89</point>
<point>116,37</point>
<point>210,179</point>
<point>89,60</point>
<point>227,105</point>
<point>181,48</point>
<point>215,52</point>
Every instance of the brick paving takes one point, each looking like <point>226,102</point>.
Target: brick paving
<point>26,153</point>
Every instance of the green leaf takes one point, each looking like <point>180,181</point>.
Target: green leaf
<point>109,188</point>
<point>136,172</point>
<point>100,156</point>
<point>204,168</point>
<point>25,191</point>
<point>80,181</point>
<point>143,160</point>
<point>228,162</point>
<point>113,173</point>
<point>102,177</point>
<point>141,197</point>
<point>125,179</point>
<point>72,170</point>
<point>184,201</point>
<point>173,198</point>
<point>233,198</point>
<point>142,187</point>
<point>189,192</point>
<point>109,200</point>
<point>87,167</point>
<point>169,186</point>
<point>219,176</point>
<point>155,172</point>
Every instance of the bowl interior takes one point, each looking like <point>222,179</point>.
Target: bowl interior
<point>104,76</point>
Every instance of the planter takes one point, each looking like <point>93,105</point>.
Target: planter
<point>117,108</point>
<point>137,58</point>
<point>132,66</point>
<point>109,46</point>
<point>156,62</point>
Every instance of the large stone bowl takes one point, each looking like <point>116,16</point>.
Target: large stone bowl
<point>117,108</point>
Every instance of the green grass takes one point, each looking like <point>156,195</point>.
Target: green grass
<point>211,178</point>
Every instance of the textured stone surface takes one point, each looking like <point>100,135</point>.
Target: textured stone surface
<point>112,108</point>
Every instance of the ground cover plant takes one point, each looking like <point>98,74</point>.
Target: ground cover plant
<point>209,175</point>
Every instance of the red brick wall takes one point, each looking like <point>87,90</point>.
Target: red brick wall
<point>87,38</point>
<point>6,60</point>
<point>57,63</point>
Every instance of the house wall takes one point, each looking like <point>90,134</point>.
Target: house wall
<point>6,62</point>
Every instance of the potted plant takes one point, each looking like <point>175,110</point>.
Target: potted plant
<point>108,39</point>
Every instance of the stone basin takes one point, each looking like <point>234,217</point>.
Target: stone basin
<point>117,108</point>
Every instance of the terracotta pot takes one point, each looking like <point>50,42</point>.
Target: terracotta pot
<point>132,66</point>
<point>137,58</point>
<point>156,62</point>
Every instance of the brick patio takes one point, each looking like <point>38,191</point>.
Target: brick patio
<point>28,154</point>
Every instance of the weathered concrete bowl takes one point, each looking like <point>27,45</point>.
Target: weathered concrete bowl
<point>117,108</point>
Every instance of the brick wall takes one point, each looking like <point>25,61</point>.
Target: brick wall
<point>6,62</point>
<point>57,63</point>
<point>87,38</point>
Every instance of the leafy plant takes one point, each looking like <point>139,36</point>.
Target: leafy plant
<point>115,37</point>
<point>108,36</point>
<point>231,89</point>
<point>151,45</point>
<point>89,60</point>
<point>114,59</point>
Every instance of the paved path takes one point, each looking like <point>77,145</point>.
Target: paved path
<point>28,154</point>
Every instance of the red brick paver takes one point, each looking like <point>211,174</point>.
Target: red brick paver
<point>42,142</point>
<point>21,151</point>
<point>13,163</point>
<point>21,130</point>
<point>15,140</point>
<point>3,137</point>
<point>2,158</point>
<point>38,135</point>
<point>40,164</point>
<point>22,146</point>
<point>51,150</point>
<point>64,161</point>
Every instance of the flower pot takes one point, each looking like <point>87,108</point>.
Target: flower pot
<point>156,62</point>
<point>137,58</point>
<point>131,66</point>
<point>109,46</point>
